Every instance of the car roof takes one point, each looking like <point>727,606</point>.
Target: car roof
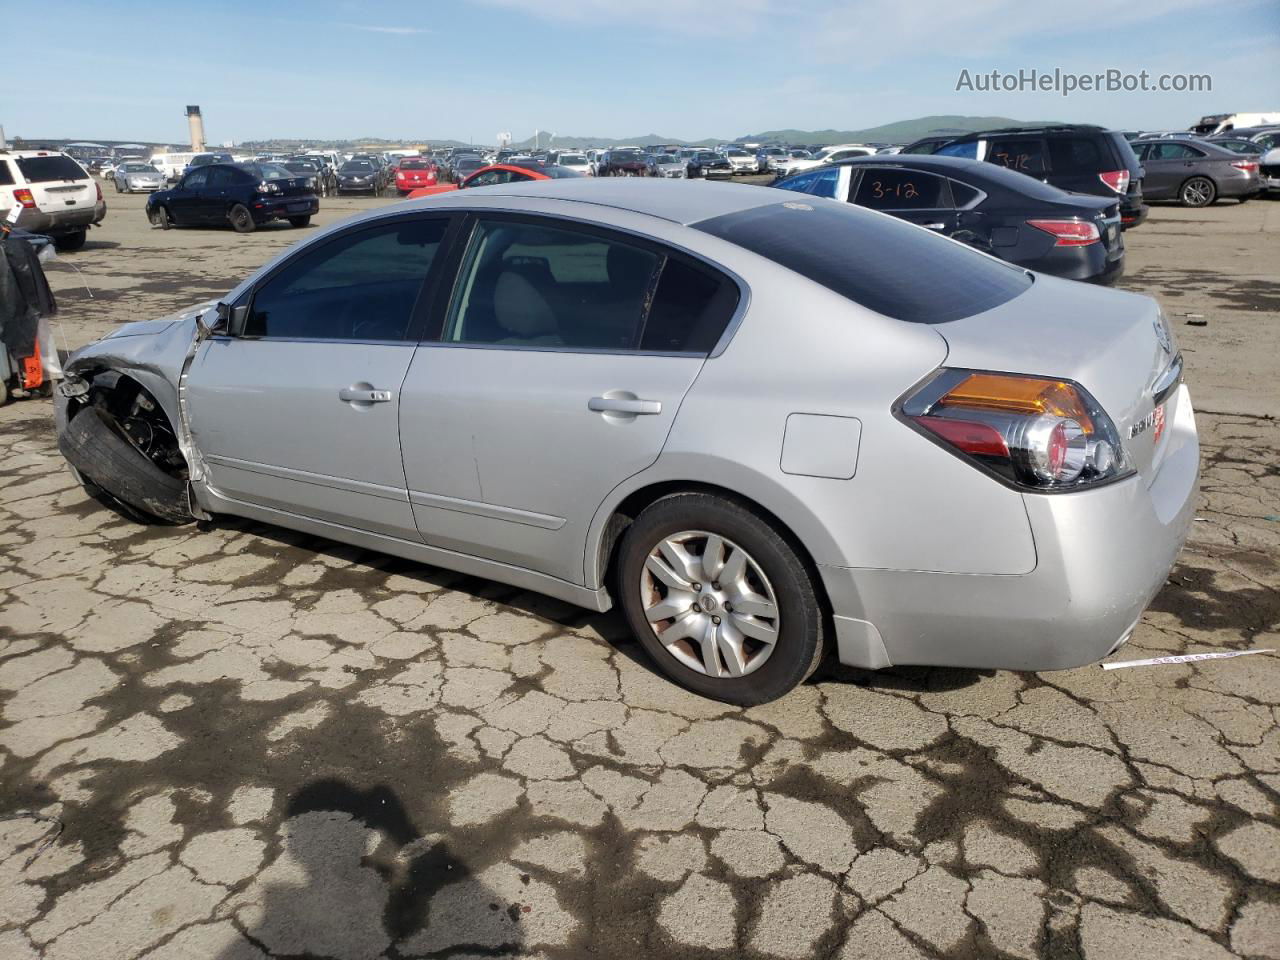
<point>683,202</point>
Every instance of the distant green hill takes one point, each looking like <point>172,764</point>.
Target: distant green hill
<point>903,131</point>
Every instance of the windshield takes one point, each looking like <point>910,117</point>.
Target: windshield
<point>469,163</point>
<point>738,153</point>
<point>415,165</point>
<point>53,167</point>
<point>138,168</point>
<point>666,158</point>
<point>573,158</point>
<point>708,157</point>
<point>357,166</point>
<point>624,155</point>
<point>818,240</point>
<point>300,166</point>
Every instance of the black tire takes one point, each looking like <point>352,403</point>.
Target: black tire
<point>300,221</point>
<point>241,219</point>
<point>159,217</point>
<point>802,639</point>
<point>1197,192</point>
<point>69,242</point>
<point>117,183</point>
<point>99,450</point>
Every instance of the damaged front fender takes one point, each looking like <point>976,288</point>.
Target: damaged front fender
<point>155,353</point>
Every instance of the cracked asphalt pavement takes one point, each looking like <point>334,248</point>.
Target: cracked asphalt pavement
<point>262,744</point>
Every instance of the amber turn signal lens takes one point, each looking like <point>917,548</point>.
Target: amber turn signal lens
<point>1028,396</point>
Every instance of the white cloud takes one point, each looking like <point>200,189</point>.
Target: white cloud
<point>395,30</point>
<point>672,16</point>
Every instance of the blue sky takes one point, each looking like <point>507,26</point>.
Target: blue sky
<point>680,68</point>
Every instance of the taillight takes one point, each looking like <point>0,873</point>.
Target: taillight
<point>1036,433</point>
<point>1117,180</point>
<point>1248,166</point>
<point>98,187</point>
<point>25,198</point>
<point>1069,233</point>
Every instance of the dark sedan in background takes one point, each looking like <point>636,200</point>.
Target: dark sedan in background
<point>1195,172</point>
<point>708,164</point>
<point>1006,214</point>
<point>359,176</point>
<point>244,195</point>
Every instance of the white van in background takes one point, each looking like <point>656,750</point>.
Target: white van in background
<point>1223,122</point>
<point>172,165</point>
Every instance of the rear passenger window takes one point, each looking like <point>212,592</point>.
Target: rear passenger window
<point>1023,154</point>
<point>1074,155</point>
<point>528,285</point>
<point>361,286</point>
<point>901,190</point>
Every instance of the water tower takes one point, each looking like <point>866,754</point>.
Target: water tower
<point>196,123</point>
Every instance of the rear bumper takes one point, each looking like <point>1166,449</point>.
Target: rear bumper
<point>1242,186</point>
<point>56,223</point>
<point>1102,556</point>
<point>1133,216</point>
<point>1089,263</point>
<point>264,210</point>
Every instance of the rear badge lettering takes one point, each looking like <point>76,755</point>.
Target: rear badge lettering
<point>1153,421</point>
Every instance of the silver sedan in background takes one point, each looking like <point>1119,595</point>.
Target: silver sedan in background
<point>138,176</point>
<point>767,427</point>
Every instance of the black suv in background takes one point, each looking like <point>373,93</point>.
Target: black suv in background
<point>1074,157</point>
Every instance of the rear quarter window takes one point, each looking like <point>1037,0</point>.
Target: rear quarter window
<point>884,264</point>
<point>6,175</point>
<point>1024,154</point>
<point>48,169</point>
<point>1074,155</point>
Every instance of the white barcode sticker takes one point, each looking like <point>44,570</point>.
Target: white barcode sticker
<point>1184,658</point>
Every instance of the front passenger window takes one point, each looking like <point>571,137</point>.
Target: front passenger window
<point>361,286</point>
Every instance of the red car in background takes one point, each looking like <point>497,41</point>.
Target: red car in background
<point>499,173</point>
<point>413,173</point>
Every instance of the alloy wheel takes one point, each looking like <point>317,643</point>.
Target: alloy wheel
<point>1197,192</point>
<point>709,604</point>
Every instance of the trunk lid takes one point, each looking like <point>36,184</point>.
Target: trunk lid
<point>1116,345</point>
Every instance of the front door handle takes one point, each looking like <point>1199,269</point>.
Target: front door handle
<point>934,226</point>
<point>364,394</point>
<point>624,405</point>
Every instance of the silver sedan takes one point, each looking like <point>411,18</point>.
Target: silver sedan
<point>765,428</point>
<point>135,176</point>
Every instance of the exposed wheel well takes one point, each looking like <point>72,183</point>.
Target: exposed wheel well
<point>141,418</point>
<point>636,501</point>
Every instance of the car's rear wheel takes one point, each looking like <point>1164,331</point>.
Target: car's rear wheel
<point>1198,192</point>
<point>720,599</point>
<point>299,221</point>
<point>71,241</point>
<point>241,219</point>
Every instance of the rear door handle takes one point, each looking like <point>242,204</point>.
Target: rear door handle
<point>623,405</point>
<point>364,395</point>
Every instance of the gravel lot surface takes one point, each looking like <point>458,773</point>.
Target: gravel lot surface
<point>263,744</point>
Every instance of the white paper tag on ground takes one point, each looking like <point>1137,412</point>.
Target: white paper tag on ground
<point>1184,658</point>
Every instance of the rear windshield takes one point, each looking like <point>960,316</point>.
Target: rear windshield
<point>55,167</point>
<point>883,263</point>
<point>415,165</point>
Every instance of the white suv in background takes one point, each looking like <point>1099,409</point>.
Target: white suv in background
<point>832,154</point>
<point>58,196</point>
